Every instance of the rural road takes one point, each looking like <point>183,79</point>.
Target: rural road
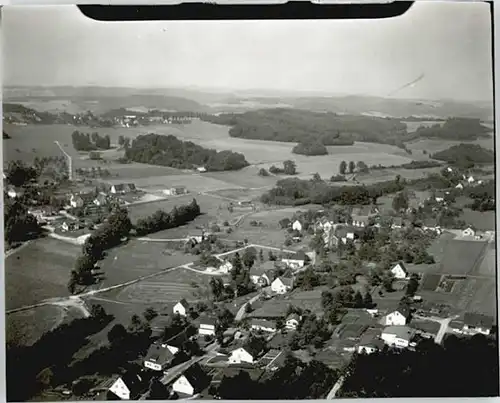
<point>333,392</point>
<point>444,323</point>
<point>241,311</point>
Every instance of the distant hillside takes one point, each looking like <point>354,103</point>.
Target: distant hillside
<point>295,125</point>
<point>169,151</point>
<point>466,154</point>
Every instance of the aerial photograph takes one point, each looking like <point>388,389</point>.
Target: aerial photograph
<point>249,209</point>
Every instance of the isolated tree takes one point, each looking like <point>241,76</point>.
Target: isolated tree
<point>117,334</point>
<point>400,201</point>
<point>343,168</point>
<point>367,300</point>
<point>249,256</point>
<point>217,288</point>
<point>261,255</point>
<point>352,167</point>
<point>289,167</point>
<point>362,167</point>
<point>263,172</point>
<point>316,177</point>
<point>358,300</point>
<point>412,286</point>
<point>237,266</point>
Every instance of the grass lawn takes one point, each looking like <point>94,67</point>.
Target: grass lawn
<point>136,259</point>
<point>38,271</point>
<point>484,221</point>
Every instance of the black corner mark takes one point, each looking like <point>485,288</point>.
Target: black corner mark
<point>301,10</point>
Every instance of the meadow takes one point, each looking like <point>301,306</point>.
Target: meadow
<point>38,271</point>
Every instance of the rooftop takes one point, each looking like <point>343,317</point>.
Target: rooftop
<point>402,332</point>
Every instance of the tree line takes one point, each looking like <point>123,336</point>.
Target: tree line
<point>169,151</point>
<point>90,142</point>
<point>115,230</point>
<point>466,129</point>
<point>294,191</point>
<point>360,166</point>
<point>465,155</point>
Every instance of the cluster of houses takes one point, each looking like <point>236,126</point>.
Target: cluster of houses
<point>135,120</point>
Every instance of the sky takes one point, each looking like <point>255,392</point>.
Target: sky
<point>449,43</point>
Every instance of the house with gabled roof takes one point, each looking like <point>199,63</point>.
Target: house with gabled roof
<point>292,321</point>
<point>399,271</point>
<point>282,285</point>
<point>295,261</point>
<point>124,387</point>
<point>258,271</point>
<point>397,336</point>
<point>475,323</point>
<point>469,231</point>
<point>345,234</point>
<point>192,381</point>
<point>181,308</point>
<point>398,317</point>
<point>370,341</point>
<point>158,357</point>
<point>122,188</point>
<point>249,352</point>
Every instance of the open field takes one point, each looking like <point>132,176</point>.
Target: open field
<point>136,259</point>
<point>463,257</point>
<point>484,221</point>
<point>38,271</point>
<point>380,175</point>
<point>247,177</point>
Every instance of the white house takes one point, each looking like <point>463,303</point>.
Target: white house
<point>475,323</point>
<point>241,355</point>
<point>192,381</point>
<point>226,267</point>
<point>470,179</point>
<point>69,226</point>
<point>100,200</point>
<point>292,322</point>
<point>181,308</point>
<point>459,186</point>
<point>207,326</point>
<point>122,188</point>
<point>399,317</point>
<point>120,389</point>
<point>264,325</point>
<point>297,226</point>
<point>397,336</point>
<point>295,261</point>
<point>282,285</point>
<point>399,271</point>
<point>469,231</point>
<point>201,169</point>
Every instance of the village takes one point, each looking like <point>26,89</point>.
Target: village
<point>295,306</point>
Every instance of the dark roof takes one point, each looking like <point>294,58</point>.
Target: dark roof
<point>158,354</point>
<point>286,281</point>
<point>196,377</point>
<point>404,310</point>
<point>371,338</point>
<point>254,346</point>
<point>293,316</point>
<point>343,231</point>
<point>478,320</point>
<point>207,320</point>
<point>184,303</point>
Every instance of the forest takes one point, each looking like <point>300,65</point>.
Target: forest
<point>294,125</point>
<point>455,129</point>
<point>310,147</point>
<point>169,151</point>
<point>90,142</point>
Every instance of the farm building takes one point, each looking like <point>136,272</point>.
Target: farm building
<point>174,191</point>
<point>297,226</point>
<point>475,323</point>
<point>226,267</point>
<point>122,188</point>
<point>397,336</point>
<point>295,261</point>
<point>292,321</point>
<point>158,357</point>
<point>181,308</point>
<point>399,317</point>
<point>459,186</point>
<point>192,381</point>
<point>273,359</point>
<point>70,226</point>
<point>264,325</point>
<point>399,271</point>
<point>282,285</point>
<point>206,325</point>
<point>345,234</point>
<point>247,353</point>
